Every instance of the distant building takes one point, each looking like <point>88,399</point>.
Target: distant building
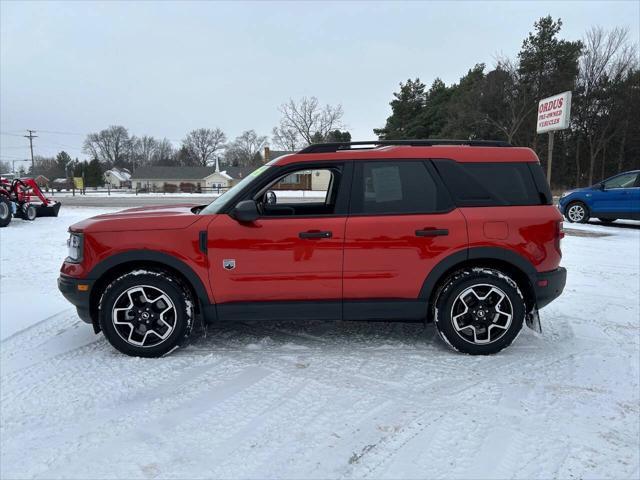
<point>42,181</point>
<point>118,178</point>
<point>187,179</point>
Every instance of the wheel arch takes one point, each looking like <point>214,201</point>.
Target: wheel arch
<point>119,264</point>
<point>504,260</point>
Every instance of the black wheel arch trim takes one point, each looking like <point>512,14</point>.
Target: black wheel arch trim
<point>152,256</point>
<point>475,253</point>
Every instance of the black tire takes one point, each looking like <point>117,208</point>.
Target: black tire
<point>29,212</point>
<point>5,211</point>
<point>607,220</point>
<point>448,313</point>
<point>177,324</point>
<point>577,212</point>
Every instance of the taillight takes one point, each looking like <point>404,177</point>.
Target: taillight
<point>559,235</point>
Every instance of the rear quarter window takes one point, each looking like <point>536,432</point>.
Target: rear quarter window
<point>493,184</point>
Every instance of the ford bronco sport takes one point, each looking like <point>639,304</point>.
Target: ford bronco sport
<point>461,233</point>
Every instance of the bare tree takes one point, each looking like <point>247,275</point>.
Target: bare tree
<point>308,119</point>
<point>286,139</point>
<point>608,59</point>
<point>203,144</point>
<point>163,153</point>
<point>243,151</point>
<point>506,100</point>
<point>111,145</point>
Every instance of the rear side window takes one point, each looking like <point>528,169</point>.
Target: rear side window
<point>396,187</point>
<point>492,184</point>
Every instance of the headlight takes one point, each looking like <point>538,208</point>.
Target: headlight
<point>74,244</point>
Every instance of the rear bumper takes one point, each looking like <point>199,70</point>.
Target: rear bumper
<point>74,290</point>
<point>549,285</point>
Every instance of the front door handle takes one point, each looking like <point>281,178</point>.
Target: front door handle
<point>432,232</point>
<point>315,234</point>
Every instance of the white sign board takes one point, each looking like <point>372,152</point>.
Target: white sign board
<point>554,113</point>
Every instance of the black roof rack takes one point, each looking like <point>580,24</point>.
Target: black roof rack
<point>334,147</point>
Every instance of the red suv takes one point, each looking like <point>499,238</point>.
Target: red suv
<point>462,233</point>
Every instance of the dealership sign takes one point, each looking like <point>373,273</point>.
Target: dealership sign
<point>554,113</point>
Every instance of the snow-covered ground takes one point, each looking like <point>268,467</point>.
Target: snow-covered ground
<point>315,400</point>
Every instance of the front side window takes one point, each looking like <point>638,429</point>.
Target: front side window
<point>396,187</point>
<point>626,180</point>
<point>301,193</point>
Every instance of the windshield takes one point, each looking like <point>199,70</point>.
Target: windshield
<point>221,202</point>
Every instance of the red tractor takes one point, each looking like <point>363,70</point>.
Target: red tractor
<point>17,197</point>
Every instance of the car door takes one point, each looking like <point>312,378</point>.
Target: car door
<point>401,224</point>
<point>291,255</point>
<point>617,196</point>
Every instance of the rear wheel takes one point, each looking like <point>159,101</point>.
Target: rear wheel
<point>577,212</point>
<point>146,313</point>
<point>479,311</point>
<point>5,211</point>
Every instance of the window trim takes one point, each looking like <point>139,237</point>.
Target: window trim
<point>431,171</point>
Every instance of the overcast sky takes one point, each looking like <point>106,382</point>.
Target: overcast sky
<point>164,68</point>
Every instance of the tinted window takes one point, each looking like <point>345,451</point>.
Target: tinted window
<point>626,180</point>
<point>395,187</point>
<point>490,184</point>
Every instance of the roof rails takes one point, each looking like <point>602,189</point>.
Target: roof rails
<point>334,147</point>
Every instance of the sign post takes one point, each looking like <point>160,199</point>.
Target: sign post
<point>554,114</point>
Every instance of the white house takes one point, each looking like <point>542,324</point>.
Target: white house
<point>117,178</point>
<point>187,179</point>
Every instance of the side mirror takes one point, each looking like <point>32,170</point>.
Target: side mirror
<point>602,186</point>
<point>246,211</point>
<point>271,198</point>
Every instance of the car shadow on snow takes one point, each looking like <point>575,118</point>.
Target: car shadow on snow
<point>630,224</point>
<point>313,335</point>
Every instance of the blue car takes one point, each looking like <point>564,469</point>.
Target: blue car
<point>614,198</point>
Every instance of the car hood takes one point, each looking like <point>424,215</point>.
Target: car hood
<point>165,217</point>
<point>577,190</point>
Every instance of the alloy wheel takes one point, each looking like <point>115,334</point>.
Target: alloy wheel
<point>144,316</point>
<point>481,314</point>
<point>576,213</point>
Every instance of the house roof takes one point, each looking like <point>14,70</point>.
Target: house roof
<point>172,173</point>
<point>189,173</point>
<point>122,175</point>
<point>238,172</point>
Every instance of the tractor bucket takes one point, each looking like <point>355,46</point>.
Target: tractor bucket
<point>50,210</point>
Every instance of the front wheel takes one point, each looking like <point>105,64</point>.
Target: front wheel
<point>146,313</point>
<point>479,311</point>
<point>577,212</point>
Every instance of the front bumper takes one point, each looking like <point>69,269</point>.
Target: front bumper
<point>78,292</point>
<point>549,285</point>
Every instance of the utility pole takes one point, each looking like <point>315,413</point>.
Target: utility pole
<point>31,136</point>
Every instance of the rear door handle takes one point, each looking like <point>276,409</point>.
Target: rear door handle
<point>316,234</point>
<point>432,232</point>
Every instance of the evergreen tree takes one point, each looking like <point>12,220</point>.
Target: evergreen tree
<point>406,108</point>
